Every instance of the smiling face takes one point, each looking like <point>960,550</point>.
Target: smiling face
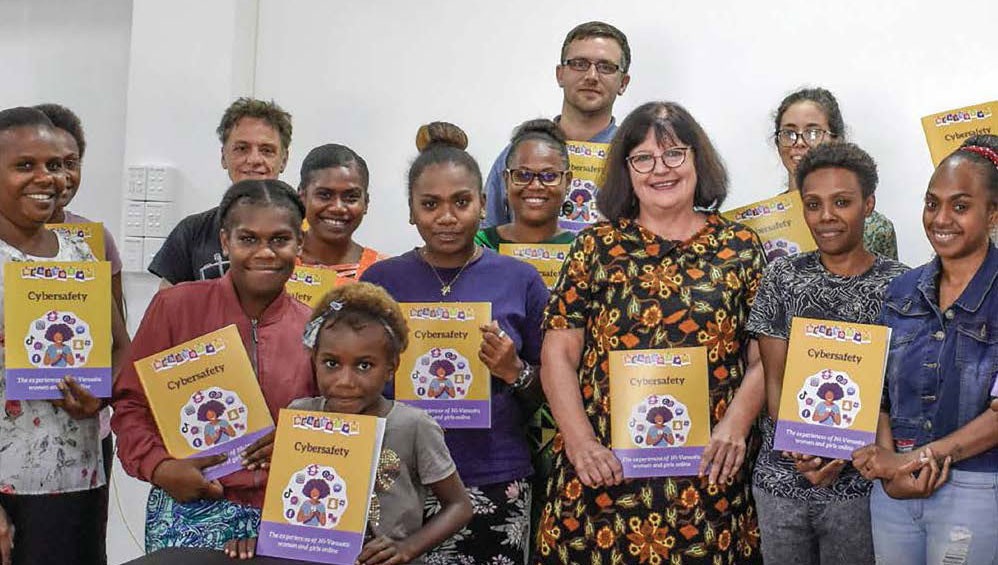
<point>799,117</point>
<point>590,92</point>
<point>335,203</point>
<point>535,204</point>
<point>446,206</point>
<point>958,211</point>
<point>71,167</point>
<point>352,367</point>
<point>829,396</point>
<point>31,175</point>
<point>262,245</point>
<point>253,151</point>
<point>664,188</point>
<point>835,210</point>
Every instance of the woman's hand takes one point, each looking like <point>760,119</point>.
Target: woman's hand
<point>877,462</point>
<point>815,470</point>
<point>383,550</point>
<point>498,353</point>
<point>919,478</point>
<point>183,481</point>
<point>595,464</point>
<point>725,452</point>
<point>242,548</point>
<point>77,400</point>
<point>257,455</point>
<point>6,538</point>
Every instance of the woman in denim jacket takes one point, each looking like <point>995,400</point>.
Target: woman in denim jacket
<point>937,444</point>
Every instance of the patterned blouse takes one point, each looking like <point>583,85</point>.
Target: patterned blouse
<point>879,236</point>
<point>42,449</point>
<point>629,289</point>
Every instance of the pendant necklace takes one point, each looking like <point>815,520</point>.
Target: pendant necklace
<point>445,288</point>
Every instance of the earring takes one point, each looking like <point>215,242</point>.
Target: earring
<point>482,215</point>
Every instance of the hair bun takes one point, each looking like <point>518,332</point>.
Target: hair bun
<point>542,126</point>
<point>443,133</point>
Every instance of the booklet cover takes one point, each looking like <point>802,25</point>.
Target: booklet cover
<point>946,131</point>
<point>587,161</point>
<point>205,398</point>
<point>659,408</point>
<point>90,232</point>
<point>440,372</point>
<point>57,323</point>
<point>547,258</point>
<point>309,284</point>
<point>831,387</point>
<point>320,485</point>
<point>779,221</point>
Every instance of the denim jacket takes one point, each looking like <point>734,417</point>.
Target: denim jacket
<point>941,364</point>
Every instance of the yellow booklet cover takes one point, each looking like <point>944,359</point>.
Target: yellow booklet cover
<point>205,398</point>
<point>547,258</point>
<point>90,232</point>
<point>57,322</point>
<point>779,221</point>
<point>831,387</point>
<point>659,409</point>
<point>947,130</point>
<point>319,489</point>
<point>309,284</point>
<point>440,372</point>
<point>587,161</point>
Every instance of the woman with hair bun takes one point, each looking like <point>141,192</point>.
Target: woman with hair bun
<point>446,205</point>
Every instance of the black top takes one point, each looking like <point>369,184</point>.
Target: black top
<point>192,251</point>
<point>190,556</point>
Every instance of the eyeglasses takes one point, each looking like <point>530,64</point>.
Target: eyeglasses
<point>810,136</point>
<point>671,158</point>
<point>582,65</point>
<point>523,177</point>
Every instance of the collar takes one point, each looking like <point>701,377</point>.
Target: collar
<point>603,136</point>
<point>977,290</point>
<point>274,311</point>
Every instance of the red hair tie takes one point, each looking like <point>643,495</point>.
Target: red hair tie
<point>986,152</point>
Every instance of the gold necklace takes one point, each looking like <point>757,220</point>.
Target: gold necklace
<point>445,288</point>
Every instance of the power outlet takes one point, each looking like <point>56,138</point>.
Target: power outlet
<point>161,183</point>
<point>159,219</point>
<point>134,219</point>
<point>131,254</point>
<point>138,179</point>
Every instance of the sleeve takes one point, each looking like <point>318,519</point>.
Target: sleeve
<point>537,297</point>
<point>496,211</point>
<point>140,447</point>
<point>753,267</point>
<point>568,307</point>
<point>482,240</point>
<point>879,237</point>
<point>111,252</point>
<point>885,396</point>
<point>433,460</point>
<point>173,261</point>
<point>769,309</point>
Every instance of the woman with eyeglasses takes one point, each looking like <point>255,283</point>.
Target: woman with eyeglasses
<point>809,117</point>
<point>663,271</point>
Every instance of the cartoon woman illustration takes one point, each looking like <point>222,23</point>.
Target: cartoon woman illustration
<point>58,354</point>
<point>312,511</point>
<point>442,388</point>
<point>217,428</point>
<point>580,212</point>
<point>828,412</point>
<point>659,434</point>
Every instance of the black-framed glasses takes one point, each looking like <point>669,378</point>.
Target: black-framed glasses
<point>645,162</point>
<point>810,136</point>
<point>523,177</point>
<point>582,65</point>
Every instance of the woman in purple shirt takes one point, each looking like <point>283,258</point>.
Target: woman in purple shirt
<point>446,205</point>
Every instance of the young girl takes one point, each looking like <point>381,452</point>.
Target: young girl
<point>50,460</point>
<point>445,204</point>
<point>356,336</point>
<point>261,234</point>
<point>334,189</point>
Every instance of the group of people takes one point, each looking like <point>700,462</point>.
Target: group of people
<point>659,267</point>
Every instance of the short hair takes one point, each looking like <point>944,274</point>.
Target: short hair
<point>834,388</point>
<point>262,192</point>
<point>662,411</point>
<point>66,331</point>
<point>269,112</point>
<point>23,116</point>
<point>363,303</point>
<point>671,124</point>
<point>599,29</point>
<point>316,484</point>
<point>820,97</point>
<point>63,118</point>
<point>545,131</point>
<point>837,155</point>
<point>438,143</point>
<point>444,364</point>
<point>991,168</point>
<point>329,156</point>
<point>213,405</point>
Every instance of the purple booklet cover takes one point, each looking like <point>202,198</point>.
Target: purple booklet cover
<point>41,384</point>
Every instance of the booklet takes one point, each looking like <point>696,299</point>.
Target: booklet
<point>832,384</point>
<point>90,232</point>
<point>309,284</point>
<point>547,258</point>
<point>320,486</point>
<point>440,372</point>
<point>659,409</point>
<point>587,161</point>
<point>947,130</point>
<point>57,322</point>
<point>205,398</point>
<point>779,221</point>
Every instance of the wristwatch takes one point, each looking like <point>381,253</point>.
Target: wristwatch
<point>525,378</point>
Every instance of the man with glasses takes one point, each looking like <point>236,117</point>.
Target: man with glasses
<point>592,72</point>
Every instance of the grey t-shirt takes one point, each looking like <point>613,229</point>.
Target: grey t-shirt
<point>413,455</point>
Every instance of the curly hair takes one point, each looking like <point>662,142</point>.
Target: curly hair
<point>819,97</point>
<point>262,192</point>
<point>834,388</point>
<point>662,411</point>
<point>837,155</point>
<point>438,143</point>
<point>545,131</point>
<point>66,331</point>
<point>63,118</point>
<point>213,405</point>
<point>269,112</point>
<point>444,364</point>
<point>315,484</point>
<point>363,303</point>
<point>22,116</point>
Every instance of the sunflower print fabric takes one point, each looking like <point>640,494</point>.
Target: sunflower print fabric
<point>630,289</point>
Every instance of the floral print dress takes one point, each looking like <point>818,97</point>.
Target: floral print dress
<point>629,289</point>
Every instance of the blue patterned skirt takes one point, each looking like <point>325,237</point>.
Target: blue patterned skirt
<point>202,523</point>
